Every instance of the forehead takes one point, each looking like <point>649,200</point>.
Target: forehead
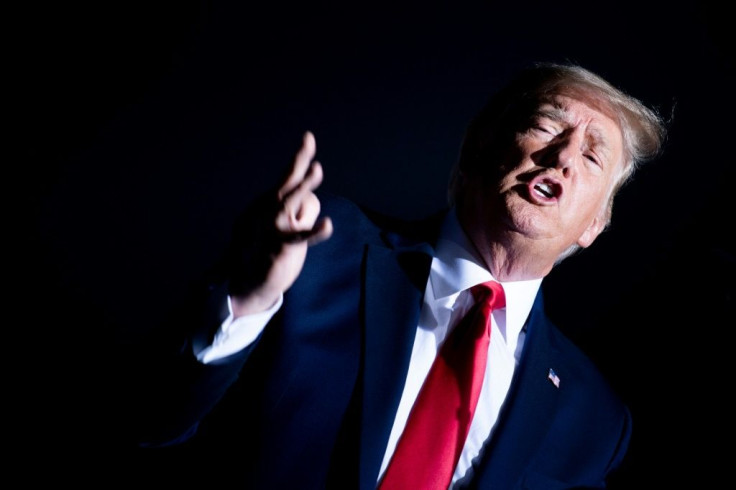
<point>580,105</point>
<point>599,119</point>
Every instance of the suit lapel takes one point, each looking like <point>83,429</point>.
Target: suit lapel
<point>529,408</point>
<point>395,280</point>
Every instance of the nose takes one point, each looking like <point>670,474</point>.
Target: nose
<point>565,150</point>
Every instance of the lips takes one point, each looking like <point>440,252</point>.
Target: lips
<point>544,189</point>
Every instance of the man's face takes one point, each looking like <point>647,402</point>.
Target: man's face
<point>555,180</point>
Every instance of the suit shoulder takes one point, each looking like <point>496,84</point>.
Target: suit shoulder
<point>350,219</point>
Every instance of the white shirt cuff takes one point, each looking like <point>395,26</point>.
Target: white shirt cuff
<point>235,334</point>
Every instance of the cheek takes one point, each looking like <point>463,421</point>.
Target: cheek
<point>522,149</point>
<point>591,202</point>
<point>515,161</point>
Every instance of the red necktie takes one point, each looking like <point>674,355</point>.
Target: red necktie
<point>434,436</point>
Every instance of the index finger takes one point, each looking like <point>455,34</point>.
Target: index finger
<point>300,165</point>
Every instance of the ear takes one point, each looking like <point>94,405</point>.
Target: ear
<point>592,231</point>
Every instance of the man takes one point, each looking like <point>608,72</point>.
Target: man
<point>331,317</point>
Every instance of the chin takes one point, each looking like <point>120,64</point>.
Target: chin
<point>528,218</point>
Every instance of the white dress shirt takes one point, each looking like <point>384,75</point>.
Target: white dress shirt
<point>455,268</point>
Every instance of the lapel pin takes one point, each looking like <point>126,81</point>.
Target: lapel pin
<point>552,376</point>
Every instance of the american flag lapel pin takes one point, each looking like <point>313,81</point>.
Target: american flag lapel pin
<point>552,376</point>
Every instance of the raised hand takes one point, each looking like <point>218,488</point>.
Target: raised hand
<point>271,243</point>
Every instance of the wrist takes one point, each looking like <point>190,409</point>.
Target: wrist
<point>255,302</point>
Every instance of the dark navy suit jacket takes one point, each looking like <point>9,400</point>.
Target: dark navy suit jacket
<point>310,405</point>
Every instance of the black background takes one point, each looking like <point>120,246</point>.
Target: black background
<point>146,127</point>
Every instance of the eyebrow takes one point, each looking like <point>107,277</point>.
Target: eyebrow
<point>558,113</point>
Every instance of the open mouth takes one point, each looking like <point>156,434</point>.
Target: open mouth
<point>545,189</point>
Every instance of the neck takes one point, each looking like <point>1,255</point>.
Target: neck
<point>509,255</point>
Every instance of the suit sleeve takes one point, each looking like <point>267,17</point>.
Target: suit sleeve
<point>171,390</point>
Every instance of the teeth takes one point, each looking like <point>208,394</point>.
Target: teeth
<point>544,189</point>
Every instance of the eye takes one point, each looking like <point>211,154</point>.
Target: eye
<point>543,129</point>
<point>593,159</point>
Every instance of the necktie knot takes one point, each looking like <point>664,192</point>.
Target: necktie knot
<point>491,293</point>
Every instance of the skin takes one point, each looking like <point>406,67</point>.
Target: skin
<point>552,190</point>
<point>294,228</point>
